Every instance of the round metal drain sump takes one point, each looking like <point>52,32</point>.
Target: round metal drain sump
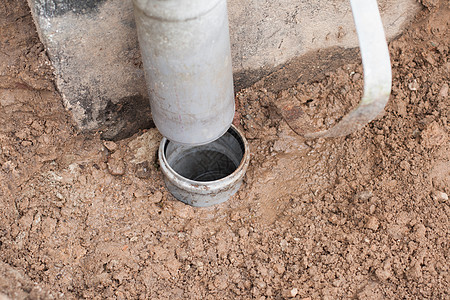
<point>208,174</point>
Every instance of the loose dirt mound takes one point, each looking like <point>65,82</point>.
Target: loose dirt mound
<point>365,216</point>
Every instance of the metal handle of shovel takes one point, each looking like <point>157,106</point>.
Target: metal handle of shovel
<point>377,71</point>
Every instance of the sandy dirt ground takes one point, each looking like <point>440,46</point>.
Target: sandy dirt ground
<point>360,217</point>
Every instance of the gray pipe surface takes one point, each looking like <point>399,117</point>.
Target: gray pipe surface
<point>185,48</point>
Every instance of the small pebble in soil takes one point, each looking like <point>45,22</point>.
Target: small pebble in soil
<point>439,196</point>
<point>290,293</point>
<point>364,195</point>
<point>419,234</point>
<point>284,244</point>
<point>414,85</point>
<point>405,165</point>
<point>143,170</point>
<point>372,209</point>
<point>294,292</point>
<point>279,268</point>
<point>383,274</point>
<point>356,77</point>
<point>414,272</point>
<point>444,91</point>
<point>182,210</point>
<point>139,194</point>
<point>372,223</point>
<point>22,134</point>
<point>243,232</point>
<point>156,197</point>
<point>110,145</point>
<point>116,166</point>
<point>433,135</point>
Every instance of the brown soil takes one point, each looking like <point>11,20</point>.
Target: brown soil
<point>365,216</point>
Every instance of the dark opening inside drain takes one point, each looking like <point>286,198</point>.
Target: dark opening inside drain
<point>205,165</point>
<point>209,162</point>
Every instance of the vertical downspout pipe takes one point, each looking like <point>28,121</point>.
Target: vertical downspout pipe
<point>186,55</point>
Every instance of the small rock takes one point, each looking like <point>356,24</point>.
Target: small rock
<point>22,135</point>
<point>405,165</point>
<point>433,135</point>
<point>110,145</point>
<point>382,274</point>
<point>429,58</point>
<point>372,223</point>
<point>419,232</point>
<point>294,292</point>
<point>243,232</point>
<point>250,132</point>
<point>221,282</point>
<point>173,265</point>
<point>403,218</point>
<point>385,272</point>
<point>37,126</point>
<point>401,107</point>
<point>396,231</point>
<point>414,272</point>
<point>336,283</point>
<point>334,219</point>
<point>182,210</point>
<point>356,77</point>
<point>284,244</point>
<point>287,293</point>
<point>439,196</point>
<point>120,276</point>
<point>143,170</point>
<point>260,284</point>
<point>144,147</point>
<point>155,197</point>
<point>444,91</point>
<point>7,98</point>
<point>279,268</point>
<point>139,193</point>
<point>116,166</point>
<point>414,85</point>
<point>181,253</point>
<point>9,166</point>
<point>200,265</point>
<point>364,195</point>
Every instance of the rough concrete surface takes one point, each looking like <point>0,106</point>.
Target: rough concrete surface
<point>94,49</point>
<point>97,62</point>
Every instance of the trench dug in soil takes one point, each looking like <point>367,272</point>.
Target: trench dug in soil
<point>364,216</point>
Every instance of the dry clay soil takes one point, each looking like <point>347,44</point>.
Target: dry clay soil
<point>360,217</point>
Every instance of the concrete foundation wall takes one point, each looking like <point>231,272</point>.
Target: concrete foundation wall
<point>94,49</point>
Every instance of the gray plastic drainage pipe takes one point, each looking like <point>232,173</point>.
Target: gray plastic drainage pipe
<point>185,48</point>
